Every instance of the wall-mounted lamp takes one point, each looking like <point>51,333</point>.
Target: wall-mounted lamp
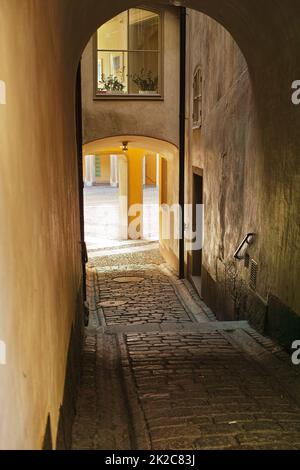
<point>241,252</point>
<point>124,146</point>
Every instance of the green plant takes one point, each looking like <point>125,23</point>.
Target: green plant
<point>111,83</point>
<point>145,81</point>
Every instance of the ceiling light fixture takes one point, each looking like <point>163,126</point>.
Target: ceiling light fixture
<point>124,146</point>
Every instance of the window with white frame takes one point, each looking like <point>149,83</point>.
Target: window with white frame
<point>197,98</point>
<point>128,54</point>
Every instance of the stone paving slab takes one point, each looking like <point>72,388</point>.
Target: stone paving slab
<point>170,326</point>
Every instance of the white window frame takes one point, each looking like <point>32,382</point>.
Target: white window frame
<point>129,96</point>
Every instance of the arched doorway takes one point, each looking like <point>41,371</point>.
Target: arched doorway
<point>43,215</point>
<point>120,172</point>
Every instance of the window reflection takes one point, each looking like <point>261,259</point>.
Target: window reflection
<point>128,54</point>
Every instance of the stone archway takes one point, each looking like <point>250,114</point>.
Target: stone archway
<point>255,26</point>
<point>268,37</point>
<point>43,216</point>
<point>130,179</point>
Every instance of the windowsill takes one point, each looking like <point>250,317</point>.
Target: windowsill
<point>129,97</point>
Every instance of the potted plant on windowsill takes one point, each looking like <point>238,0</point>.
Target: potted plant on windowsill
<point>147,84</point>
<point>110,85</point>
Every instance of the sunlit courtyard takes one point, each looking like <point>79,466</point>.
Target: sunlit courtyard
<point>102,218</point>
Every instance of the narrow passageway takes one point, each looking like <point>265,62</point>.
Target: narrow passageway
<point>161,139</point>
<point>159,372</point>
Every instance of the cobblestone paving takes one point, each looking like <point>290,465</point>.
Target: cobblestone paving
<point>196,388</point>
<point>199,392</point>
<point>139,258</point>
<point>153,300</point>
<point>102,420</point>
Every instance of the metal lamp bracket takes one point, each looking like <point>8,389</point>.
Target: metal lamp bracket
<point>240,253</point>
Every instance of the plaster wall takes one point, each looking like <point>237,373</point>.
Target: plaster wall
<point>248,182</point>
<point>135,191</point>
<point>150,163</point>
<point>40,267</point>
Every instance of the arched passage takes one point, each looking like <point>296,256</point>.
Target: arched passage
<point>267,44</point>
<point>44,294</point>
<point>255,26</point>
<point>129,172</point>
<point>114,144</point>
<point>254,40</point>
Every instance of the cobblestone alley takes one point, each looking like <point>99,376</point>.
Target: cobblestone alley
<point>159,372</point>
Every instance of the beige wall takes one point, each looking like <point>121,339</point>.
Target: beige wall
<point>168,191</point>
<point>150,169</point>
<point>168,195</point>
<point>40,272</point>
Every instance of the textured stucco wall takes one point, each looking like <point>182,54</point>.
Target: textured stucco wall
<point>150,169</point>
<point>249,182</point>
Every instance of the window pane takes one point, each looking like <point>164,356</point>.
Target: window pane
<point>113,34</point>
<point>112,72</point>
<point>97,167</point>
<point>196,112</point>
<point>144,72</point>
<point>143,30</point>
<point>197,85</point>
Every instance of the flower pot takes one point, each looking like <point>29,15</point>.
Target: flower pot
<point>147,92</point>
